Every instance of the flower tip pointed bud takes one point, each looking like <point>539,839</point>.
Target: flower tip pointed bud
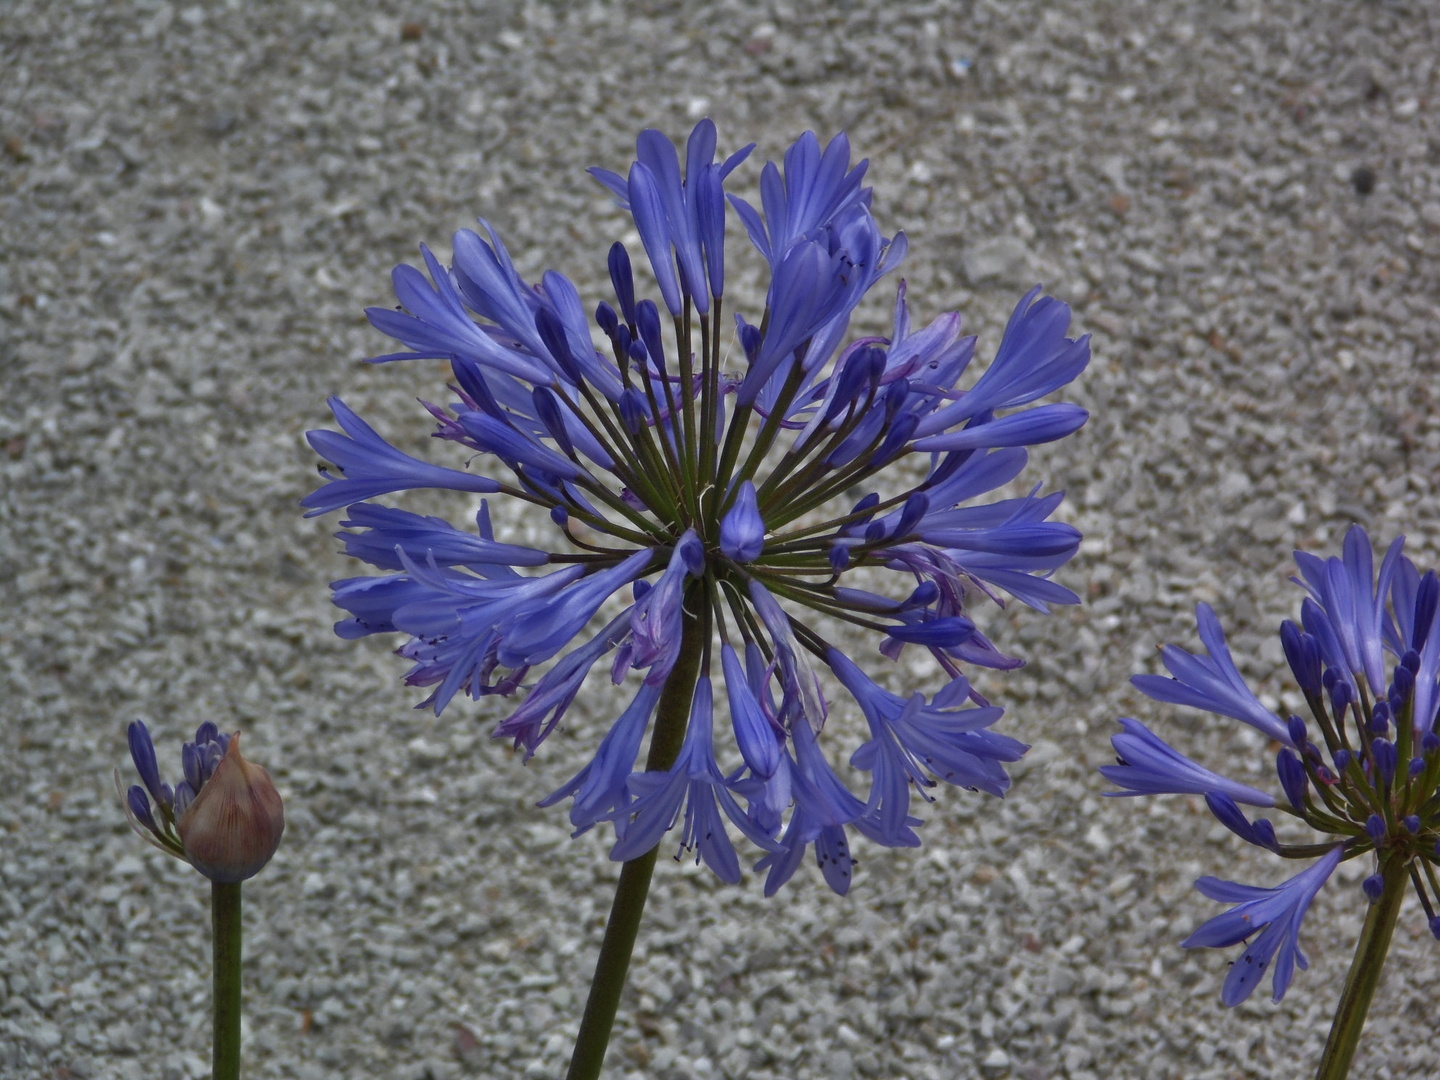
<point>234,825</point>
<point>742,532</point>
<point>692,553</point>
<point>1375,826</point>
<point>632,410</point>
<point>1265,834</point>
<point>142,753</point>
<point>1380,718</point>
<point>1303,654</point>
<point>1292,777</point>
<point>1386,758</point>
<point>607,320</point>
<point>1341,695</point>
<point>1403,684</point>
<point>1299,736</point>
<point>1374,887</point>
<point>623,278</point>
<point>750,340</point>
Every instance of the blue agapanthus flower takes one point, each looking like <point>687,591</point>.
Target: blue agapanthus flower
<point>713,484</point>
<point>1366,660</point>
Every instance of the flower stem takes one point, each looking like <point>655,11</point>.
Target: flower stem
<point>1365,968</point>
<point>672,715</point>
<point>225,924</point>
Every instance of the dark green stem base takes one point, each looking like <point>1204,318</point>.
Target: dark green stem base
<point>672,715</point>
<point>1364,977</point>
<point>225,921</point>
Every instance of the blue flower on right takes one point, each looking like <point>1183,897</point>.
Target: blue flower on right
<point>1363,770</point>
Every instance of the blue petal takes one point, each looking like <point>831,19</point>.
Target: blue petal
<point>1034,359</point>
<point>1280,910</point>
<point>600,788</point>
<point>423,538</point>
<point>374,467</point>
<point>535,635</point>
<point>438,325</point>
<point>832,853</point>
<point>1030,427</point>
<point>1211,682</point>
<point>557,688</point>
<point>1150,766</point>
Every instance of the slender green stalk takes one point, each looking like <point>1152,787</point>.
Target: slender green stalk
<point>225,923</point>
<point>1365,969</point>
<point>672,715</point>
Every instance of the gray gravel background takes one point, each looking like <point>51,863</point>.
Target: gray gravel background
<point>1242,202</point>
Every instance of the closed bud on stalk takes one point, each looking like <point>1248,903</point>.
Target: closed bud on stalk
<point>234,825</point>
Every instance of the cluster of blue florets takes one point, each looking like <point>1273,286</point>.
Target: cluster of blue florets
<point>721,495</point>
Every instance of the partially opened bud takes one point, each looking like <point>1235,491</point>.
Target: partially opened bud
<point>234,825</point>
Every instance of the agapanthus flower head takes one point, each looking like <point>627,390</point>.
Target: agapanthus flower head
<point>225,818</point>
<point>1365,659</point>
<point>713,491</point>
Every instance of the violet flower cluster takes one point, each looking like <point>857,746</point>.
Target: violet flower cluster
<point>1364,771</point>
<point>717,486</point>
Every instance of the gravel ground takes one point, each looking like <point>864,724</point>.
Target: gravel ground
<point>1241,201</point>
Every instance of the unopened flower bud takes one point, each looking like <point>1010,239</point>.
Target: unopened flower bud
<point>1380,718</point>
<point>1376,827</point>
<point>1387,759</point>
<point>1265,833</point>
<point>1303,654</point>
<point>1341,695</point>
<point>632,410</point>
<point>234,825</point>
<point>1298,735</point>
<point>1292,777</point>
<point>1404,682</point>
<point>1374,887</point>
<point>607,319</point>
<point>742,532</point>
